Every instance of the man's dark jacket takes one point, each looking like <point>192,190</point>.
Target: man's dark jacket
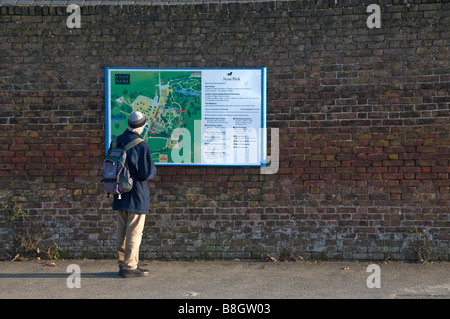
<point>139,160</point>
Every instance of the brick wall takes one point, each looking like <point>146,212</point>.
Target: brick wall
<point>363,118</point>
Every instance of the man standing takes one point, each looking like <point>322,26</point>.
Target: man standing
<point>133,205</point>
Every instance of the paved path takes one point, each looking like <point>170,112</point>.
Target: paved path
<point>225,279</point>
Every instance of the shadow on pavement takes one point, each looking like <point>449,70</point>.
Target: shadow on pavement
<point>61,275</point>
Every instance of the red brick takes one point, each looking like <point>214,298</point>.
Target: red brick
<point>364,139</point>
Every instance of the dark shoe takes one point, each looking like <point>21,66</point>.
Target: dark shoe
<point>138,272</point>
<point>121,271</point>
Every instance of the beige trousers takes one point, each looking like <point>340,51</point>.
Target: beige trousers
<point>129,230</point>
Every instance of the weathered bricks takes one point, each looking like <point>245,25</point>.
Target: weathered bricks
<point>363,117</point>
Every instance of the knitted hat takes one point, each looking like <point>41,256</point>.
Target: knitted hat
<point>136,120</point>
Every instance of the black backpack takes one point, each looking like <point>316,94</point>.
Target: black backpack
<point>116,176</point>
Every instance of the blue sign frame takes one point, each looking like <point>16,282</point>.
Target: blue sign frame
<point>232,119</point>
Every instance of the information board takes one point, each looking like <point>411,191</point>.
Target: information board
<point>198,116</point>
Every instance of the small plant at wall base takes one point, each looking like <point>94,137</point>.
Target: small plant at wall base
<point>420,244</point>
<point>28,239</point>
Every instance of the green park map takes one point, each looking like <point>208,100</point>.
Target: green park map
<point>168,99</point>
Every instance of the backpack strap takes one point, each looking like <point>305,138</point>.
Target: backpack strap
<point>133,143</point>
<point>114,143</point>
